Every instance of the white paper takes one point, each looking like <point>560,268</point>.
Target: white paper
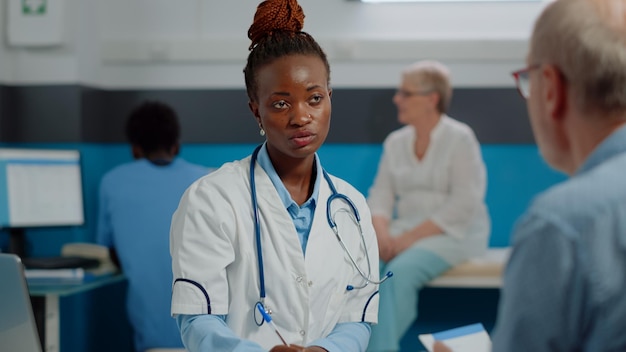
<point>469,338</point>
<point>60,274</point>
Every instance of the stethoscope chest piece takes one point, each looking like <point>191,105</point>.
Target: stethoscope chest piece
<point>261,313</point>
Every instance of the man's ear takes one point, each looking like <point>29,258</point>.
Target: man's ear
<point>175,149</point>
<point>556,100</point>
<point>554,92</point>
<point>137,152</point>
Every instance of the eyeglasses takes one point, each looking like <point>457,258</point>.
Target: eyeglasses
<point>522,80</point>
<point>407,93</point>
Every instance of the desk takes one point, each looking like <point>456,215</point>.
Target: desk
<point>45,299</point>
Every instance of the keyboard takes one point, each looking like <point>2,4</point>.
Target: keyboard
<point>60,262</point>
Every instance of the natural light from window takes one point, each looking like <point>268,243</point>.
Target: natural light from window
<point>391,1</point>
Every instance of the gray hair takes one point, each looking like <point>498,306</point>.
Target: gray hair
<point>431,76</point>
<point>586,41</point>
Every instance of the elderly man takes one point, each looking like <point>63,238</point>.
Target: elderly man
<point>564,284</point>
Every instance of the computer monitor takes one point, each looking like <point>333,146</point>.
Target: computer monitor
<point>39,188</point>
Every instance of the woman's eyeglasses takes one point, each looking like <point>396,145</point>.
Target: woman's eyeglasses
<point>403,93</point>
<point>522,80</point>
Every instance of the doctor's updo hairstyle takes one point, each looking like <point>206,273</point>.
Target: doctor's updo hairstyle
<point>277,32</point>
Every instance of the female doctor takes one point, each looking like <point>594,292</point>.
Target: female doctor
<point>255,237</point>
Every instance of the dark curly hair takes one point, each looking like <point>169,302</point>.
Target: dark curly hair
<point>277,32</point>
<point>153,126</point>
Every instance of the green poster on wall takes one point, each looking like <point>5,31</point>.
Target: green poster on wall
<point>34,7</point>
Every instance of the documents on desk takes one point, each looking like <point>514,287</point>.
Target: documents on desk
<point>73,274</point>
<point>70,275</point>
<point>104,265</point>
<point>469,338</point>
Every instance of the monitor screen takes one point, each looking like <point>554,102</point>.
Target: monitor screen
<point>40,187</point>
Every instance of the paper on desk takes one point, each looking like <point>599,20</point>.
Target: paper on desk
<point>469,338</point>
<point>74,274</point>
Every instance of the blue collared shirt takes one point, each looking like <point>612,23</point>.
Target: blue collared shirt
<point>302,215</point>
<point>135,205</point>
<point>565,281</point>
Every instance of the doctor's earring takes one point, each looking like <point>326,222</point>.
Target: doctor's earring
<point>262,132</point>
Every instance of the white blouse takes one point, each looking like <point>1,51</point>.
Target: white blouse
<point>447,186</point>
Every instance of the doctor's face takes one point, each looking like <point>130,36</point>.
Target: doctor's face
<point>293,105</point>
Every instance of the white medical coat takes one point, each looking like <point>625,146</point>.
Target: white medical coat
<point>215,266</point>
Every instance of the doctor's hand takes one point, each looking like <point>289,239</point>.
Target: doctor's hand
<point>297,348</point>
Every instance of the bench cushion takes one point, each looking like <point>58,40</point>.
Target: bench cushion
<point>480,272</point>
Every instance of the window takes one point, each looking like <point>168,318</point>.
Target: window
<point>397,1</point>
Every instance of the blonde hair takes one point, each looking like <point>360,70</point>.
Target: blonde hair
<point>431,76</point>
<point>586,41</point>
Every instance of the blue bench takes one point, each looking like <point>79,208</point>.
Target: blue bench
<point>516,173</point>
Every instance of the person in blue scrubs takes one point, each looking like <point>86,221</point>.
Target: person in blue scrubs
<point>136,203</point>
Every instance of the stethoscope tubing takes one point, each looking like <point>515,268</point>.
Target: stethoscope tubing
<point>257,224</point>
<point>331,222</point>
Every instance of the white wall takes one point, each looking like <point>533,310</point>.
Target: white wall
<point>41,64</point>
<point>203,43</point>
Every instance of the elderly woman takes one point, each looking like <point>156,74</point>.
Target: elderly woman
<point>427,200</point>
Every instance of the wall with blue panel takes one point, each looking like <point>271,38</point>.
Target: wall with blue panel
<point>516,173</point>
<point>217,128</point>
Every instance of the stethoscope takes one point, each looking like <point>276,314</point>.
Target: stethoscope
<point>354,214</point>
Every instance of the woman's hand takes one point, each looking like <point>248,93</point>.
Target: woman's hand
<point>396,245</point>
<point>426,229</point>
<point>297,348</point>
<point>383,237</point>
<point>405,240</point>
<point>393,246</point>
<point>386,249</point>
